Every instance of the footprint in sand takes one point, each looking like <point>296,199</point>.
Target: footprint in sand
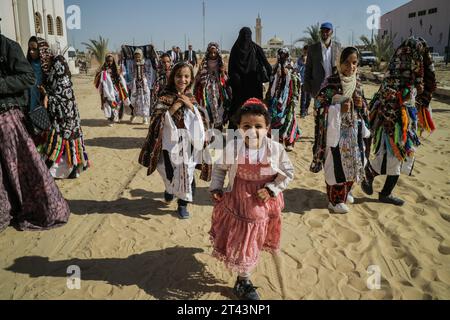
<point>444,247</point>
<point>395,253</point>
<point>309,276</point>
<point>347,235</point>
<point>361,222</point>
<point>446,217</point>
<point>330,244</point>
<point>443,275</point>
<point>314,224</point>
<point>370,212</point>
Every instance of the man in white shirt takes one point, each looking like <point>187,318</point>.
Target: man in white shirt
<point>173,54</point>
<point>321,60</point>
<point>190,56</point>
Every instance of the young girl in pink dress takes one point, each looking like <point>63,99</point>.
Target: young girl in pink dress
<point>247,215</point>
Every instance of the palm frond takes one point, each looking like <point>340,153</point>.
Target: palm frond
<point>99,48</point>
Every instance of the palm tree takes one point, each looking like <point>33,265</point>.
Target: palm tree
<point>382,47</point>
<point>313,37</point>
<point>99,48</point>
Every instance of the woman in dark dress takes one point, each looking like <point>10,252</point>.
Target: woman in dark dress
<point>246,68</point>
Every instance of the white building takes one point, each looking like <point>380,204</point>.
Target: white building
<point>274,44</point>
<point>22,19</point>
<point>428,19</point>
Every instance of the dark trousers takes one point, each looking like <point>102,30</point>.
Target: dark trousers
<point>390,184</point>
<point>305,101</point>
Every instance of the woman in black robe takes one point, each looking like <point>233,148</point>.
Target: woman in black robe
<point>246,69</point>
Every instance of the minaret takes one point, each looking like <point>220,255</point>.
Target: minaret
<point>258,31</point>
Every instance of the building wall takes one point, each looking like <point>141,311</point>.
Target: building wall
<point>54,8</point>
<point>26,22</point>
<point>399,22</point>
<point>23,28</point>
<point>7,23</point>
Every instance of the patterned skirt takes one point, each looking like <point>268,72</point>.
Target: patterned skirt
<point>29,197</point>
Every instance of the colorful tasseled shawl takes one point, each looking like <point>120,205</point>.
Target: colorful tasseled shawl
<point>152,149</point>
<point>394,110</point>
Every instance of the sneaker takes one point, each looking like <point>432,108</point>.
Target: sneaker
<point>145,122</point>
<point>110,124</point>
<point>367,187</point>
<point>350,198</point>
<point>183,213</point>
<point>340,208</point>
<point>391,200</point>
<point>132,119</point>
<point>245,290</point>
<point>289,148</point>
<point>168,197</point>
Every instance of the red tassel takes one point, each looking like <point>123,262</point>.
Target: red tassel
<point>430,121</point>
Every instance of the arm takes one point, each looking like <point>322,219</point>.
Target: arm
<point>285,177</point>
<point>219,173</point>
<point>22,76</point>
<point>264,60</point>
<point>235,79</point>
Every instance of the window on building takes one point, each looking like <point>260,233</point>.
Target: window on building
<point>422,13</point>
<point>38,22</point>
<point>431,11</point>
<point>59,27</point>
<point>51,30</point>
<point>412,15</point>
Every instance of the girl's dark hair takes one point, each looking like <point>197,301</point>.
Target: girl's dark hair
<point>114,69</point>
<point>253,107</point>
<point>347,53</point>
<point>177,68</point>
<point>165,55</point>
<point>219,58</point>
<point>32,39</point>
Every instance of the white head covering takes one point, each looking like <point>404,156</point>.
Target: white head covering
<point>139,51</point>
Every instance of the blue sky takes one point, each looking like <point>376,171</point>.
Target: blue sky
<point>171,21</point>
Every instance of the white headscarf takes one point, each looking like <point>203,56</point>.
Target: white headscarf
<point>348,85</point>
<point>139,51</point>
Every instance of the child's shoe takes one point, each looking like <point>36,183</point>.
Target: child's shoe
<point>340,208</point>
<point>245,290</point>
<point>183,213</point>
<point>350,198</point>
<point>391,200</point>
<point>367,186</point>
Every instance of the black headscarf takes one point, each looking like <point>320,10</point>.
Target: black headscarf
<point>243,54</point>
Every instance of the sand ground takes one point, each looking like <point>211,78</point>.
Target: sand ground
<point>130,245</point>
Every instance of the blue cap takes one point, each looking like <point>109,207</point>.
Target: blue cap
<point>327,25</point>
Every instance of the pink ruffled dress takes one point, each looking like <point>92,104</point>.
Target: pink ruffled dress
<point>242,224</point>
